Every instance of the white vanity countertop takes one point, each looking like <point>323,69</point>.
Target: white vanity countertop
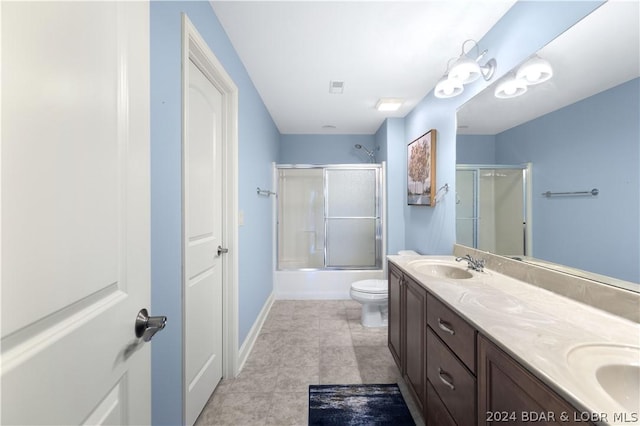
<point>542,330</point>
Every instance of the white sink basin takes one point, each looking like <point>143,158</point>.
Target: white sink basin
<point>614,369</point>
<point>622,383</point>
<point>440,269</point>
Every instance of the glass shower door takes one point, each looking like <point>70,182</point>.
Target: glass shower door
<point>301,230</point>
<point>329,217</point>
<point>352,218</point>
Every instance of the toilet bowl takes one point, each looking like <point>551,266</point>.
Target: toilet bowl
<point>373,295</point>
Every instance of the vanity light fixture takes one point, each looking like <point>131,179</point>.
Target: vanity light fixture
<point>448,87</point>
<point>389,104</point>
<point>463,71</point>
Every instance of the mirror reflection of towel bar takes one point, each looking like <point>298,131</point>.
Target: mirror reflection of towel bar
<point>593,192</point>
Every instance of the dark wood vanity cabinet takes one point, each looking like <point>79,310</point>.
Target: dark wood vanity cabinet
<point>407,330</point>
<point>456,376</point>
<point>509,394</point>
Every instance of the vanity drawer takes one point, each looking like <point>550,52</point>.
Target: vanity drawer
<point>451,380</point>
<point>453,330</point>
<point>436,413</point>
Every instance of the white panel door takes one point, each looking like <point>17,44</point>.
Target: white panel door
<point>202,237</point>
<point>75,212</point>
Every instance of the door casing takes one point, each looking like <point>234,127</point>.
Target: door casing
<point>194,48</point>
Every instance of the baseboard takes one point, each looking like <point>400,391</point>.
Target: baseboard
<point>248,343</point>
<point>330,295</point>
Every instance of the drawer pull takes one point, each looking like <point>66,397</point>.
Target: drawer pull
<point>445,326</point>
<point>446,378</point>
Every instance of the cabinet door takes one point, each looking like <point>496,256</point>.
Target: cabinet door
<point>415,338</point>
<point>509,393</point>
<point>395,317</point>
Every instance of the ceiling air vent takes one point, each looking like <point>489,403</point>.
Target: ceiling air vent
<point>336,87</point>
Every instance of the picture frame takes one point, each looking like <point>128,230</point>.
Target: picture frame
<point>421,170</point>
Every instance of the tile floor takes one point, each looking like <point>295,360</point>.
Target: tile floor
<point>301,343</point>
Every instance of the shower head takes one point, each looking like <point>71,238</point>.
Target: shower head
<point>369,153</point>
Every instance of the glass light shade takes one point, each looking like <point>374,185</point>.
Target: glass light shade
<point>510,88</point>
<point>535,70</point>
<point>448,87</point>
<point>465,69</point>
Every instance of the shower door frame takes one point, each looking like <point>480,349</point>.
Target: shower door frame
<point>380,207</point>
<point>526,199</point>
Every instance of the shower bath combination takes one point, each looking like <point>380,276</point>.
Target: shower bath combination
<point>371,154</point>
<point>329,227</point>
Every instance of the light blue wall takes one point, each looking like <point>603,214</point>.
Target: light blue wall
<point>475,149</point>
<point>594,143</point>
<point>390,137</point>
<point>325,149</point>
<point>524,29</point>
<point>258,145</point>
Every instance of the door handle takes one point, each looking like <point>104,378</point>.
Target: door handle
<point>222,250</point>
<point>147,326</point>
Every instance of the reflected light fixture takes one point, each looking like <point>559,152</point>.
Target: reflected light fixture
<point>463,71</point>
<point>534,71</point>
<point>389,104</point>
<point>510,88</point>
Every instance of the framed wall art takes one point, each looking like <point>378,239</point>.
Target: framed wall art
<point>421,170</point>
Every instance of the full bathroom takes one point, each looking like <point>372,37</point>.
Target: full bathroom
<point>313,247</point>
<point>333,263</point>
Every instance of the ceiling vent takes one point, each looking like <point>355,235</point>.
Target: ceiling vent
<point>336,87</point>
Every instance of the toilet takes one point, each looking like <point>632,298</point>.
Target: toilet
<point>373,295</point>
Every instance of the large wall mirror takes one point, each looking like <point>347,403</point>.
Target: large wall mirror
<point>579,131</point>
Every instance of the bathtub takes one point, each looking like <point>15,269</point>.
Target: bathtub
<point>319,284</point>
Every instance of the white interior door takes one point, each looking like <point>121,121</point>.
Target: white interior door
<point>203,204</point>
<point>75,212</point>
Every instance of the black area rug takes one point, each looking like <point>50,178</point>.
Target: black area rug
<point>357,405</point>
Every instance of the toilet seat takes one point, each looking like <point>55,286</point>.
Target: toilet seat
<point>370,286</point>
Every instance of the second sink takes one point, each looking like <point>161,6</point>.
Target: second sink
<point>613,368</point>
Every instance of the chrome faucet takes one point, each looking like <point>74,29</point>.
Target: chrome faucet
<point>474,264</point>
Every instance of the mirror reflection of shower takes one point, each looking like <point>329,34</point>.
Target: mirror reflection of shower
<point>492,208</point>
<point>370,153</point>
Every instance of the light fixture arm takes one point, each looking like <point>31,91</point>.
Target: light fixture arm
<point>488,69</point>
<point>464,70</point>
<point>476,46</point>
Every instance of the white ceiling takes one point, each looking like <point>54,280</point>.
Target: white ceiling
<point>598,53</point>
<point>398,49</point>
